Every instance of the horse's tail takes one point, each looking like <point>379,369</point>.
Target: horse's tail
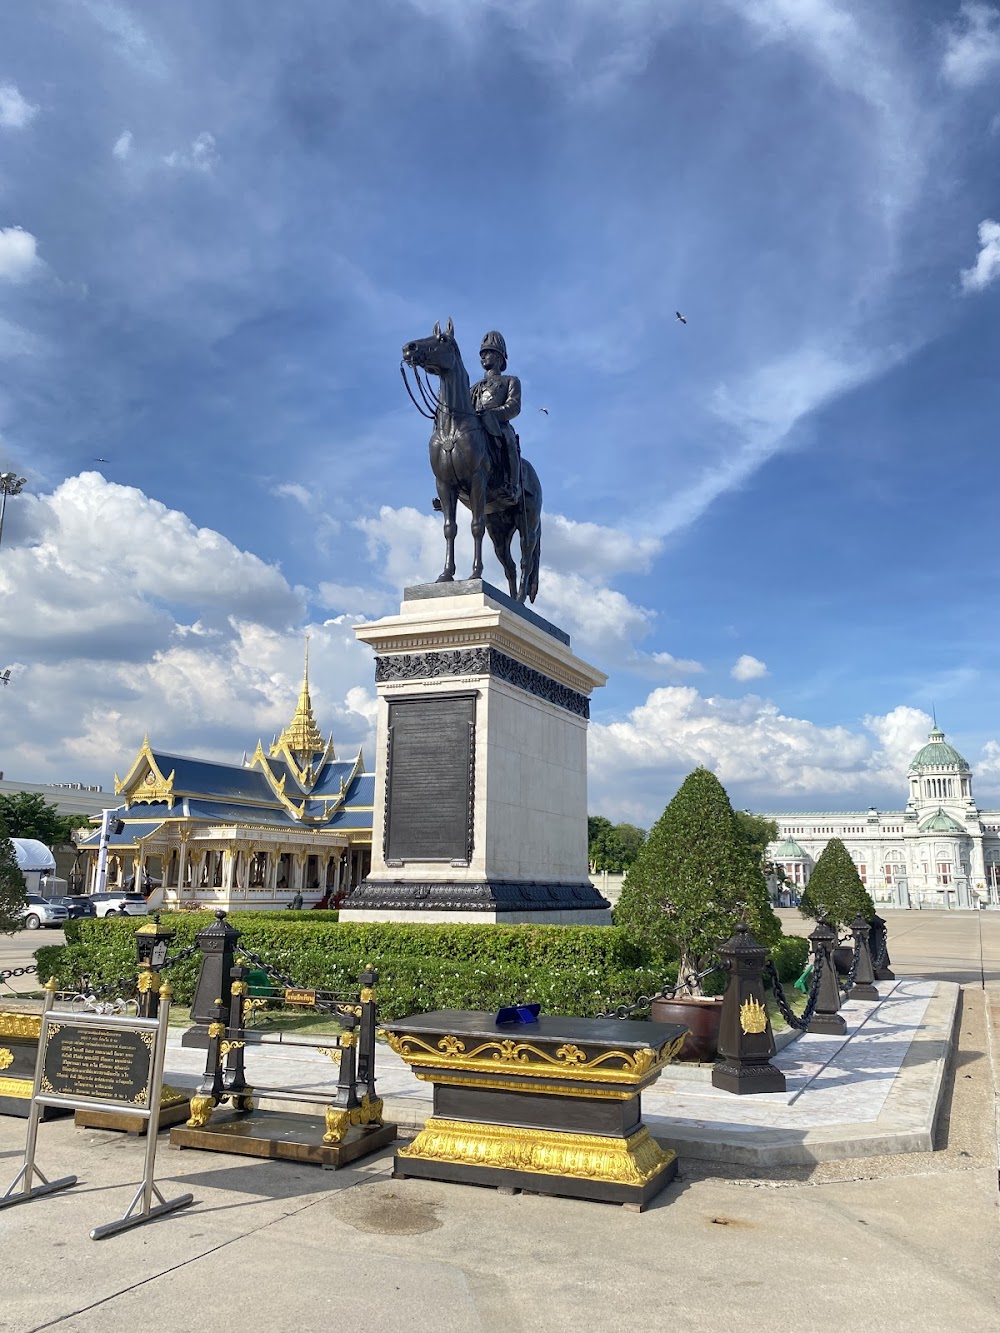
<point>536,560</point>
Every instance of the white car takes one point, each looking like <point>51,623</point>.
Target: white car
<point>39,911</point>
<point>119,903</point>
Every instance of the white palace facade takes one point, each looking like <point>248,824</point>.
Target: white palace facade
<point>941,850</point>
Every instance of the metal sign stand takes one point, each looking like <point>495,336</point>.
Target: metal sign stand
<point>142,1208</point>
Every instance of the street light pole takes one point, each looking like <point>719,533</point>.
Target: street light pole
<point>10,484</point>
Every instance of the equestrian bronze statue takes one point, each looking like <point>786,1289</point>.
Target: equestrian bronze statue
<point>476,456</point>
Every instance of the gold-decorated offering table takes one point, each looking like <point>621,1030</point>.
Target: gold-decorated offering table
<point>552,1107</point>
<point>19,1033</point>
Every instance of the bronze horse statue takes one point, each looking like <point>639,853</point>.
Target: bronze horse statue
<point>466,468</point>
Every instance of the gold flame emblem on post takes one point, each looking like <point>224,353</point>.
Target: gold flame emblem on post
<point>753,1016</point>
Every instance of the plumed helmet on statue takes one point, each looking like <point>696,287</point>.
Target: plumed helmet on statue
<point>493,342</point>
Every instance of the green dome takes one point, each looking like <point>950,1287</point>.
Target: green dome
<point>789,851</point>
<point>937,753</point>
<point>941,823</point>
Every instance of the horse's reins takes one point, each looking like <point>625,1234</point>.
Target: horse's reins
<point>431,401</point>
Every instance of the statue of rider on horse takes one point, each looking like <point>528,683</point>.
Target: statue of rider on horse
<point>475,453</point>
<point>497,399</point>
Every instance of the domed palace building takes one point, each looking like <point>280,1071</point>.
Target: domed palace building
<point>940,851</point>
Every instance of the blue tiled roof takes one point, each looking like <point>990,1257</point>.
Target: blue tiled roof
<point>229,812</point>
<point>328,782</point>
<point>127,838</point>
<point>346,818</point>
<point>361,791</point>
<point>199,777</point>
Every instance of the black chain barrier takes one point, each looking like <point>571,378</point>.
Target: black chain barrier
<point>30,971</point>
<point>881,959</point>
<point>179,957</point>
<point>328,1005</point>
<point>801,1022</point>
<point>852,975</point>
<point>665,993</point>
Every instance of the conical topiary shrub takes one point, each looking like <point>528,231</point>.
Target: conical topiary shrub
<point>835,890</point>
<point>695,880</point>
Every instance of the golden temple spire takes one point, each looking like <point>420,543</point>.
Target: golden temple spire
<point>302,736</point>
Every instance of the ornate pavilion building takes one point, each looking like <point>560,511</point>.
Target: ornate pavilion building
<point>941,850</point>
<point>293,819</point>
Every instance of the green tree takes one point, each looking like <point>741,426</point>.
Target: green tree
<point>835,889</point>
<point>695,879</point>
<point>612,847</point>
<point>631,840</point>
<point>12,894</point>
<point>600,842</point>
<point>26,814</point>
<point>757,831</point>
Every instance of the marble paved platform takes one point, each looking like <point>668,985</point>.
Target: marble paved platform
<point>873,1092</point>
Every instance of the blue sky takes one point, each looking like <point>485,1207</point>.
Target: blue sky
<point>774,526</point>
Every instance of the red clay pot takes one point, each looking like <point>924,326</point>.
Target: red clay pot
<point>701,1015</point>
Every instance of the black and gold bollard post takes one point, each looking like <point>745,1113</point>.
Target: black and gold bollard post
<point>233,1047</point>
<point>211,1089</point>
<point>355,1103</point>
<point>366,1035</point>
<point>746,1042</point>
<point>864,976</point>
<point>827,1018</point>
<point>151,944</point>
<point>217,945</point>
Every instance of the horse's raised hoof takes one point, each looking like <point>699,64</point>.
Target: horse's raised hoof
<point>445,578</point>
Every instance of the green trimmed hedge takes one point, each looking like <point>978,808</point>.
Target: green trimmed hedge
<point>790,955</point>
<point>575,970</point>
<point>578,970</point>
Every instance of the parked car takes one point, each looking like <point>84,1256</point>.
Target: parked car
<point>119,903</point>
<point>76,905</point>
<point>41,911</point>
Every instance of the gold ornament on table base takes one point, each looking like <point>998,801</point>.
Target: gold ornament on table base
<point>557,1112</point>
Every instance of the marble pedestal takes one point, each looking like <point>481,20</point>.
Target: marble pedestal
<point>480,808</point>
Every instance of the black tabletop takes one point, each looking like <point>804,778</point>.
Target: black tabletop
<point>549,1028</point>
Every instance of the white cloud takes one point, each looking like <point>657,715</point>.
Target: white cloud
<point>200,156</point>
<point>987,266</point>
<point>763,756</point>
<point>357,599</point>
<point>678,666</point>
<point>594,550</point>
<point>90,584</point>
<point>598,618</point>
<point>407,547</point>
<point>291,490</point>
<point>129,37</point>
<point>972,45</point>
<point>15,111</point>
<point>748,668</point>
<point>122,146</point>
<point>100,569</point>
<point>18,254</point>
<point>899,734</point>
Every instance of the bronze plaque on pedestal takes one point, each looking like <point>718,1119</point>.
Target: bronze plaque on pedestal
<point>429,790</point>
<point>112,1066</point>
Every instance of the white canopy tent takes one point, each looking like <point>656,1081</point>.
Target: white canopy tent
<point>35,862</point>
<point>33,855</point>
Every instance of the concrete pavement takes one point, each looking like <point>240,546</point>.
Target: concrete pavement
<point>881,1243</point>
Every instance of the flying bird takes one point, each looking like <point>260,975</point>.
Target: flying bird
<point>545,410</point>
<point>100,460</point>
<point>680,316</point>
